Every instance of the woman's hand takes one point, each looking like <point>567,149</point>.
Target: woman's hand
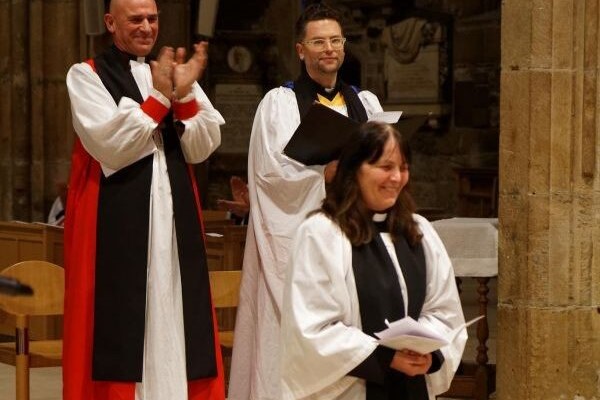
<point>411,363</point>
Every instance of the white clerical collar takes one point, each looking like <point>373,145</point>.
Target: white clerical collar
<point>137,61</point>
<point>379,217</point>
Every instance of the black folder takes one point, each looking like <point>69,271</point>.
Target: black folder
<point>321,135</point>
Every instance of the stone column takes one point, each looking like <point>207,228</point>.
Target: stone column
<point>19,127</point>
<point>5,112</point>
<point>280,18</point>
<point>549,242</point>
<point>39,41</point>
<point>36,72</point>
<point>54,47</point>
<point>175,22</point>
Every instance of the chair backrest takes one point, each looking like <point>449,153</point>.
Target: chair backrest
<point>225,288</point>
<point>215,220</point>
<point>214,215</point>
<point>47,281</point>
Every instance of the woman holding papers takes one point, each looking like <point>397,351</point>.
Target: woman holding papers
<point>365,258</point>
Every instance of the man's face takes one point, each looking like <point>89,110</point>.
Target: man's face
<point>324,59</point>
<point>133,25</point>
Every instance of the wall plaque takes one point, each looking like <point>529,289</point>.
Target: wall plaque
<point>237,103</point>
<point>415,82</point>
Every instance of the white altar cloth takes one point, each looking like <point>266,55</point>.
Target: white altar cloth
<point>472,244</point>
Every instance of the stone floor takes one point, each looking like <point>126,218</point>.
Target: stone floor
<point>45,383</point>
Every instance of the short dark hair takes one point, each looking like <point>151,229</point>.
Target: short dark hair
<point>343,202</point>
<point>315,12</point>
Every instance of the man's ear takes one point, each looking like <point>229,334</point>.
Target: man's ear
<point>109,21</point>
<point>300,51</point>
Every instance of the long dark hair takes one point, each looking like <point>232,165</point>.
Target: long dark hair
<point>343,202</point>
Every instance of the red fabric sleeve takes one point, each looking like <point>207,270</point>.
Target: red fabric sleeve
<point>155,109</point>
<point>185,110</point>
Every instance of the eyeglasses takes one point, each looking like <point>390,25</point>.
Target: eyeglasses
<point>320,44</point>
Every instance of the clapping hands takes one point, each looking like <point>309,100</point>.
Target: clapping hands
<point>172,75</point>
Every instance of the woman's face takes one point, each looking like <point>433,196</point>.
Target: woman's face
<point>380,183</point>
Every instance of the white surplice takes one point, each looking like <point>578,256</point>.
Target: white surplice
<point>117,136</point>
<point>282,191</point>
<point>321,331</point>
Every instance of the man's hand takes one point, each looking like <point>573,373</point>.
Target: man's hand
<point>185,74</point>
<point>240,205</point>
<point>411,363</point>
<point>162,71</point>
<point>237,208</point>
<point>239,190</point>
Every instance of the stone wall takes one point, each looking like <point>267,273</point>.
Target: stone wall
<point>42,41</point>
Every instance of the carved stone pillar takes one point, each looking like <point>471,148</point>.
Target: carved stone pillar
<point>549,242</point>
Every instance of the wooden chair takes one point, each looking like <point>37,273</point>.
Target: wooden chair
<point>215,219</point>
<point>214,215</point>
<point>47,281</point>
<point>225,247</point>
<point>225,291</point>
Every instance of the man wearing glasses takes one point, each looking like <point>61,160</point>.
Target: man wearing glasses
<point>282,191</point>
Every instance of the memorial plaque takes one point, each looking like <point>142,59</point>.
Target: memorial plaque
<point>418,81</point>
<point>237,103</point>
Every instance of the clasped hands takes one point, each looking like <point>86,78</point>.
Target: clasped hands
<point>411,363</point>
<point>174,77</point>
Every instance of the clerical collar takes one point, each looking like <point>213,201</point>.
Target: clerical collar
<point>380,221</point>
<point>328,93</point>
<point>379,217</point>
<point>125,57</point>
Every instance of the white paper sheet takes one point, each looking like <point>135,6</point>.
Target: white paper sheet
<point>406,333</point>
<point>389,117</point>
